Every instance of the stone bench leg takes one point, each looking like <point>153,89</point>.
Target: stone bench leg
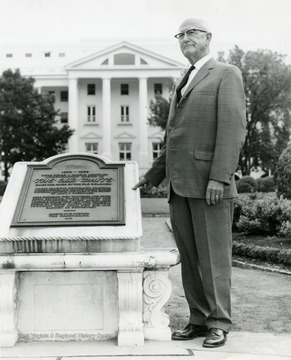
<point>8,290</point>
<point>157,290</point>
<point>130,329</point>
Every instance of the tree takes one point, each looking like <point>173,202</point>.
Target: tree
<point>282,175</point>
<point>267,82</point>
<point>159,111</point>
<point>160,107</point>
<point>28,125</point>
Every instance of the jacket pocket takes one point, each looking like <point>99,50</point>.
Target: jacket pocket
<point>203,155</point>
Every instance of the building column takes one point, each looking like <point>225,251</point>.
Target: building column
<point>143,156</point>
<point>106,118</point>
<point>74,115</point>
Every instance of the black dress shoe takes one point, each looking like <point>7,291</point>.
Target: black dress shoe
<point>190,332</point>
<point>215,338</point>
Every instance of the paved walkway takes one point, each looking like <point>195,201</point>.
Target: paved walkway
<point>241,345</point>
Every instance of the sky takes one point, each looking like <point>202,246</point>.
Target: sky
<point>250,24</point>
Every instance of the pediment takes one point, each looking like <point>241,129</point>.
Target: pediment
<point>91,135</point>
<point>123,55</point>
<point>124,135</point>
<point>158,135</point>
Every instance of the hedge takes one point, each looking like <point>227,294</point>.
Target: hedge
<point>265,253</point>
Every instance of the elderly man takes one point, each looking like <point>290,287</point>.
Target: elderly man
<point>204,136</point>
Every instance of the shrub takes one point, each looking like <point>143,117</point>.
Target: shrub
<point>159,191</point>
<point>264,253</point>
<point>247,184</point>
<point>266,184</point>
<point>239,204</point>
<point>3,185</point>
<point>282,174</point>
<point>265,216</point>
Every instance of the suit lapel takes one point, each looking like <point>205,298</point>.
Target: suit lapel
<point>201,74</point>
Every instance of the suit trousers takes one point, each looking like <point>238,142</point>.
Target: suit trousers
<point>204,238</point>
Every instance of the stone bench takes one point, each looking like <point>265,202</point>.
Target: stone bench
<point>138,288</point>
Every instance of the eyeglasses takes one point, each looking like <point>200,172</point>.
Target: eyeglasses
<point>189,33</point>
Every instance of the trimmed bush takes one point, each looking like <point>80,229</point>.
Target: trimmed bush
<point>282,174</point>
<point>247,184</point>
<point>265,216</point>
<point>266,184</point>
<point>3,185</point>
<point>276,256</point>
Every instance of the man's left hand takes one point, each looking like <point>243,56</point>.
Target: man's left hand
<point>214,192</point>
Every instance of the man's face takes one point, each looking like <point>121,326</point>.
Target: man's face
<point>196,45</point>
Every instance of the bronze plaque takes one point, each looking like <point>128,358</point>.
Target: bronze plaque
<point>74,190</point>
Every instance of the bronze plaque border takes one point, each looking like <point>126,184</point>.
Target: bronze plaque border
<point>16,222</point>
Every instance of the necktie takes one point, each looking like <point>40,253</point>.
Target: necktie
<point>184,82</point>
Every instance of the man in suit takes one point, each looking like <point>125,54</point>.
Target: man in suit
<point>204,136</point>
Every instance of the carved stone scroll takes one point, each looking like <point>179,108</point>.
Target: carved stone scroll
<point>157,290</point>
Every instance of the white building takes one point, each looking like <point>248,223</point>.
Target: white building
<point>102,95</point>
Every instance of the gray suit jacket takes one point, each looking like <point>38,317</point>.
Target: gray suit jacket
<point>205,133</point>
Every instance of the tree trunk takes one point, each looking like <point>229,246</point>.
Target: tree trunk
<point>6,171</point>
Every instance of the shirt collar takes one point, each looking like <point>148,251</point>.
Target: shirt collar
<point>202,61</point>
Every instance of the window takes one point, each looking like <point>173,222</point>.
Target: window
<point>124,113</point>
<point>124,151</point>
<point>62,54</point>
<point>158,88</point>
<point>64,96</point>
<point>157,146</point>
<point>124,89</point>
<point>91,89</point>
<point>64,118</point>
<point>47,54</point>
<point>92,147</point>
<point>9,55</point>
<point>91,114</point>
<point>28,55</point>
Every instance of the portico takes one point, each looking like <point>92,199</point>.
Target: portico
<point>105,98</point>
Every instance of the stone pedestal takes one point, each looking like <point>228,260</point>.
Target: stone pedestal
<point>71,267</point>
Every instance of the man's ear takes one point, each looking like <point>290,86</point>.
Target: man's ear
<point>209,37</point>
